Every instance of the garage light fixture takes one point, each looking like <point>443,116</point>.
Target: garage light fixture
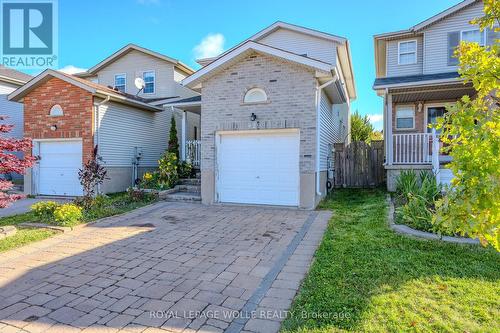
<point>53,127</point>
<point>253,117</point>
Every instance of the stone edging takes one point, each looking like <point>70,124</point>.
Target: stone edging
<point>406,230</point>
<point>44,226</point>
<point>7,231</point>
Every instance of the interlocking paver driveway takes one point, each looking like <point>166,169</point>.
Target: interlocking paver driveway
<point>166,267</point>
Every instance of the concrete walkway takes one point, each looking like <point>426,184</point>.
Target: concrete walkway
<point>169,267</point>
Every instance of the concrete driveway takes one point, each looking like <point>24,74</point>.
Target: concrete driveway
<point>167,267</point>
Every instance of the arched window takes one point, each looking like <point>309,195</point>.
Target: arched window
<point>255,95</point>
<point>56,110</point>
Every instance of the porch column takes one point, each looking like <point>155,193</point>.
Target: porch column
<point>388,129</point>
<point>183,136</point>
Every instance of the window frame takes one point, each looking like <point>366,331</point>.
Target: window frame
<point>479,30</point>
<point>407,107</point>
<point>255,102</point>
<point>414,52</point>
<point>154,82</point>
<point>125,84</point>
<point>56,107</point>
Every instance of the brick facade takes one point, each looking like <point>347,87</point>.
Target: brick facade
<point>290,88</point>
<point>77,105</point>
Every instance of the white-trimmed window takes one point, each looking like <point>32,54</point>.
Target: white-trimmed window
<point>474,36</point>
<point>405,117</point>
<point>120,82</point>
<point>56,111</point>
<point>149,82</point>
<point>255,95</point>
<point>407,52</point>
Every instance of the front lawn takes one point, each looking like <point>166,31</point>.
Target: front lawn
<point>114,204</point>
<point>365,278</point>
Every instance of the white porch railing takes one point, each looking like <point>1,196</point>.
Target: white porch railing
<point>411,148</point>
<point>193,152</point>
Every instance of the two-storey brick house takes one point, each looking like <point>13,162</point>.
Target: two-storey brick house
<point>417,76</point>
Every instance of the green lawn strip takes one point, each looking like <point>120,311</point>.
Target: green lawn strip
<point>384,282</point>
<point>25,236</point>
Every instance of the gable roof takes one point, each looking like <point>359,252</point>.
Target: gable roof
<point>12,76</point>
<point>428,22</point>
<point>132,47</point>
<point>93,88</point>
<point>246,48</point>
<point>342,43</point>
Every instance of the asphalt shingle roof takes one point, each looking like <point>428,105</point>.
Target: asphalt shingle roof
<point>414,78</point>
<point>13,74</point>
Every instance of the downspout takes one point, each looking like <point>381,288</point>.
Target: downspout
<point>318,129</point>
<point>97,124</point>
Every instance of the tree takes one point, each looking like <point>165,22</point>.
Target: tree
<point>173,141</point>
<point>361,128</point>
<point>471,133</point>
<point>377,136</point>
<point>10,162</point>
<point>91,176</point>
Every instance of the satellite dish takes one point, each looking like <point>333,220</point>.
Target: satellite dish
<point>139,83</point>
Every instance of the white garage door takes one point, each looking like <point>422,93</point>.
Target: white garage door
<point>258,168</point>
<point>58,168</point>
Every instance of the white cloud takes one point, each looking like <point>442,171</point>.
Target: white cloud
<point>375,118</point>
<point>148,2</point>
<point>70,69</point>
<point>210,46</point>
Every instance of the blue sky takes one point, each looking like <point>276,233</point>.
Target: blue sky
<point>91,30</point>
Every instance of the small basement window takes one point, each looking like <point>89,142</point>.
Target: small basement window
<point>405,117</point>
<point>56,111</point>
<point>255,95</point>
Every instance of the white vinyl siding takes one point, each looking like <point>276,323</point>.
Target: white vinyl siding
<point>436,38</point>
<point>121,128</point>
<point>13,110</point>
<point>298,43</point>
<point>329,130</point>
<point>394,67</point>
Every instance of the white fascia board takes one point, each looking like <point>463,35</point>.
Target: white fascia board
<point>19,93</point>
<point>324,67</point>
<point>292,27</point>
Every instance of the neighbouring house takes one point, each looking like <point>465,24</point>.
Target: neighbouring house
<point>67,115</point>
<point>272,107</point>
<point>10,80</point>
<point>417,76</point>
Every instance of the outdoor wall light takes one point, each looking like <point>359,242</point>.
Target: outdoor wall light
<point>253,117</point>
<point>53,127</point>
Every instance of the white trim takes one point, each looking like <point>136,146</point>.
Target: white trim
<point>255,89</point>
<point>442,15</point>
<point>12,80</point>
<point>415,52</point>
<point>154,82</point>
<point>250,45</point>
<point>125,85</point>
<point>396,117</point>
<point>475,29</point>
<point>58,139</point>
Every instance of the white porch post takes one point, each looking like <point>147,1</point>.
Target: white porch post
<point>388,129</point>
<point>183,136</point>
<point>435,156</point>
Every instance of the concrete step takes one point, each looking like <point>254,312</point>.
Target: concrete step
<point>183,197</point>
<point>188,188</point>
<point>190,181</point>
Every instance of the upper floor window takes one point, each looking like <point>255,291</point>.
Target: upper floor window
<point>149,80</point>
<point>120,82</point>
<point>474,36</point>
<point>255,95</point>
<point>405,117</point>
<point>407,52</point>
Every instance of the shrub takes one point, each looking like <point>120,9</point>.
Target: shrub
<point>185,169</point>
<point>406,183</point>
<point>151,180</point>
<point>173,142</point>
<point>92,175</point>
<point>416,213</point>
<point>167,166</point>
<point>68,214</point>
<point>44,210</point>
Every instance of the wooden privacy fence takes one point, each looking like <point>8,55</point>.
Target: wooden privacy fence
<point>359,164</point>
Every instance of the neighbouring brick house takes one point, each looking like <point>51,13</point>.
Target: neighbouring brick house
<point>271,109</point>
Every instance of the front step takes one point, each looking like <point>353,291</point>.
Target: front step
<point>190,181</point>
<point>184,197</point>
<point>188,188</point>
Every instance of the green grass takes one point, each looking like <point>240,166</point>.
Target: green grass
<point>16,219</point>
<point>365,278</point>
<point>23,237</point>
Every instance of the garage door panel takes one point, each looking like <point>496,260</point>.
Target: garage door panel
<point>260,168</point>
<point>58,168</point>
